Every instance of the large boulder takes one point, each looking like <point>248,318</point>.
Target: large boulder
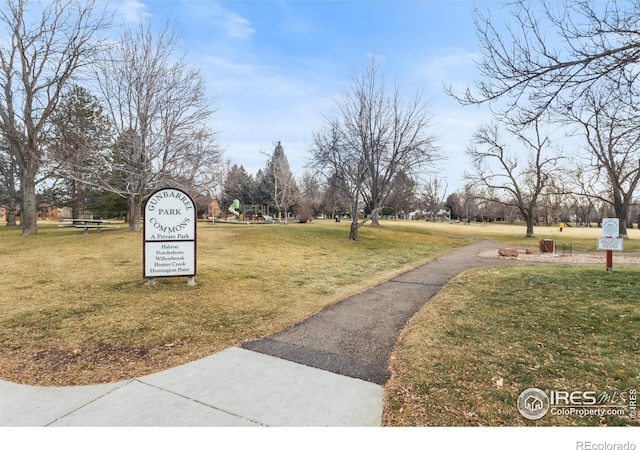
<point>508,252</point>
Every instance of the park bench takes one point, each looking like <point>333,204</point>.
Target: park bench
<point>86,224</point>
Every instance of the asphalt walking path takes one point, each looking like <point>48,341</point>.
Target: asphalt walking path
<point>329,370</point>
<point>356,336</point>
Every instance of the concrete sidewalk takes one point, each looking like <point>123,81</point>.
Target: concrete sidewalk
<point>232,388</point>
<point>326,371</point>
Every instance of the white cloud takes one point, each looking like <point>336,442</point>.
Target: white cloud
<point>234,25</point>
<point>132,10</point>
<point>237,26</point>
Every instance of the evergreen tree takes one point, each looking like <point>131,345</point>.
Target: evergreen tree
<point>9,183</point>
<point>80,132</point>
<point>238,184</point>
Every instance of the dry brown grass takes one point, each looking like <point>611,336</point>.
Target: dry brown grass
<point>492,333</point>
<point>583,239</point>
<point>75,308</point>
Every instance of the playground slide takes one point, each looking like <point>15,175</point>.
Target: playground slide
<point>233,211</point>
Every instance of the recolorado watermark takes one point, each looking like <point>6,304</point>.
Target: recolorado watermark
<point>534,404</point>
<point>588,445</point>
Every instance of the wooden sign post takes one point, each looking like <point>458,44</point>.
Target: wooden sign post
<point>610,240</point>
<point>170,235</point>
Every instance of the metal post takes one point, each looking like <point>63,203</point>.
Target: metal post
<point>609,261</point>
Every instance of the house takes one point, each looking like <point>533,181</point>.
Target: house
<point>418,214</point>
<point>213,209</point>
<point>45,212</point>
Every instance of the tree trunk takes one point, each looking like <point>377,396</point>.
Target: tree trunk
<point>375,216</point>
<point>353,230</point>
<point>135,211</point>
<point>11,215</point>
<point>29,206</point>
<point>355,226</point>
<point>530,233</point>
<point>623,229</point>
<point>528,220</point>
<point>621,209</point>
<point>75,210</point>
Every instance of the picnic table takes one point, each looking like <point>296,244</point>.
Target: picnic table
<point>86,224</point>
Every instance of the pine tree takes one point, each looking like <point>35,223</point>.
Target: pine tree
<point>80,132</point>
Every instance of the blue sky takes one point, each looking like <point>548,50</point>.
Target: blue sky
<point>276,67</point>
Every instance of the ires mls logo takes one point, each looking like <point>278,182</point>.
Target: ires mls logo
<point>535,403</point>
<point>574,398</point>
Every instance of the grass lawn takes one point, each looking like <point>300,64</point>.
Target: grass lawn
<point>491,333</point>
<point>75,308</point>
<point>582,239</point>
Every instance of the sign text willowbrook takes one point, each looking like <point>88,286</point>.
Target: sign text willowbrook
<point>169,235</point>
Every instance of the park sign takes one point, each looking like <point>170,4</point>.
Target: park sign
<point>609,243</point>
<point>169,235</point>
<point>610,240</point>
<point>610,231</point>
<point>610,227</point>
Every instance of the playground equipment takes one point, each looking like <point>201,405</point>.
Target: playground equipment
<point>249,213</point>
<point>257,214</point>
<point>235,208</point>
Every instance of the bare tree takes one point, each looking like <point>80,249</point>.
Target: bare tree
<point>281,182</point>
<point>548,51</point>
<point>372,137</point>
<point>609,123</point>
<point>340,163</point>
<point>520,175</point>
<point>335,196</point>
<point>556,197</point>
<point>159,108</point>
<point>586,191</point>
<point>48,43</point>
<point>311,197</point>
<point>433,196</point>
